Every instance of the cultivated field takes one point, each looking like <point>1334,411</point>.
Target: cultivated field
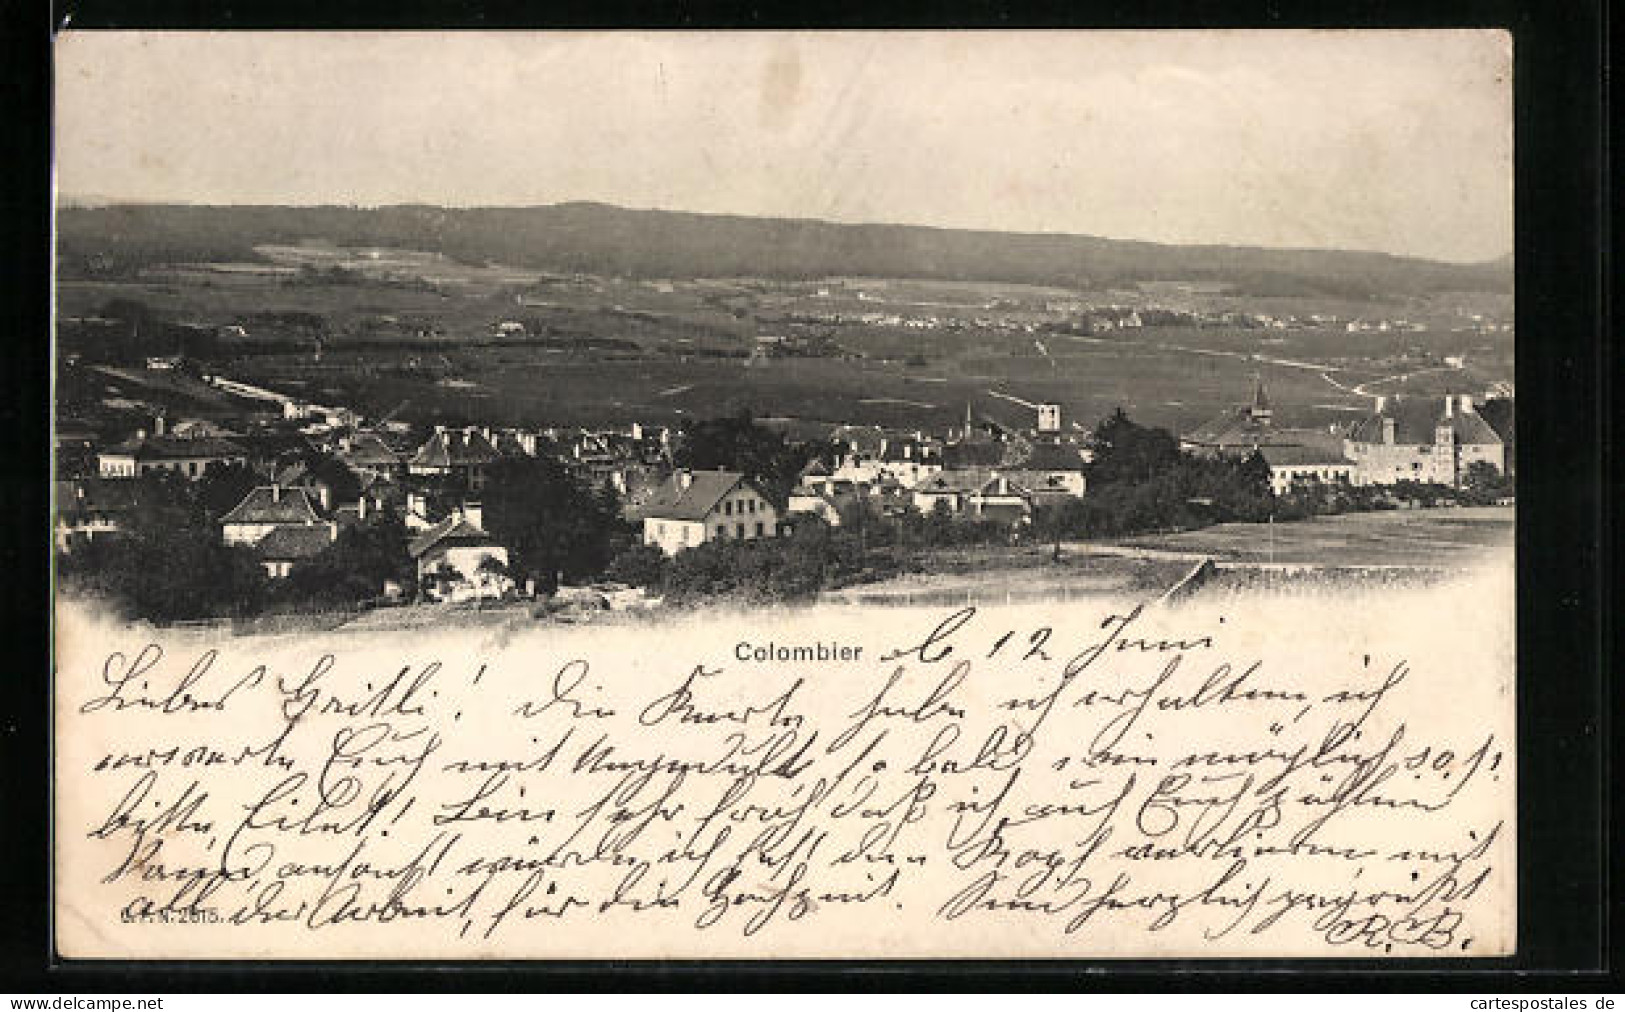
<point>394,325</point>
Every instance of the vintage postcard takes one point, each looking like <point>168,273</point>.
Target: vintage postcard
<point>625,495</point>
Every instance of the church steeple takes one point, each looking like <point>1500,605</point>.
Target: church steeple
<point>1259,411</point>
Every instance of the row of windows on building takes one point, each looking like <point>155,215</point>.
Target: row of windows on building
<point>745,506</point>
<point>193,468</point>
<point>684,530</point>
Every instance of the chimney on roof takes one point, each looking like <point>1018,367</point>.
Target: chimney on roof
<point>685,478</point>
<point>276,492</point>
<point>1382,404</point>
<point>361,507</point>
<point>1449,405</point>
<point>474,514</point>
<point>158,425</point>
<point>1388,430</point>
<point>1467,407</point>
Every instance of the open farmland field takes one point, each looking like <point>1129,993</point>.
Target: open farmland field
<point>1423,538</point>
<point>397,324</point>
<point>1158,384</point>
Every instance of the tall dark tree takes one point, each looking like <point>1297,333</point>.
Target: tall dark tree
<point>738,443</point>
<point>167,574</point>
<point>222,486</point>
<point>354,568</point>
<point>551,523</point>
<point>1125,451</point>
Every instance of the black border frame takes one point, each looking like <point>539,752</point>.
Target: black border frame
<point>1564,538</point>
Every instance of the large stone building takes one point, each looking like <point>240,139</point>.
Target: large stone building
<point>1431,440</point>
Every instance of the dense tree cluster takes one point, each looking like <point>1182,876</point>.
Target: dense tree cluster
<point>813,557</point>
<point>353,569</point>
<point>1140,482</point>
<point>553,525</point>
<point>166,574</point>
<point>738,443</point>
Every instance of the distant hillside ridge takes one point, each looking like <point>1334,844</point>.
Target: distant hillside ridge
<point>603,239</point>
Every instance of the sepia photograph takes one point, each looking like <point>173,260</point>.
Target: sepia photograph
<point>784,494</point>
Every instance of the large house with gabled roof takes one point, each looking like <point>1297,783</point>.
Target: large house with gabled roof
<point>366,453</point>
<point>458,456</point>
<point>282,525</point>
<point>1423,439</point>
<point>693,507</point>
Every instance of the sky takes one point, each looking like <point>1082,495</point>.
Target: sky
<point>1393,141</point>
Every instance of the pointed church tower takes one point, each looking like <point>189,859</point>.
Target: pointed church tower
<point>1259,411</point>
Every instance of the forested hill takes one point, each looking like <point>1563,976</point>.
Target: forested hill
<point>602,239</point>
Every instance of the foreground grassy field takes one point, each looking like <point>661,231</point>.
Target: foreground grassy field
<point>1444,538</point>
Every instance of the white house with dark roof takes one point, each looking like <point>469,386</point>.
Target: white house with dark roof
<point>1306,464</point>
<point>188,456</point>
<point>694,507</point>
<point>1056,468</point>
<point>282,525</point>
<point>975,494</point>
<point>265,509</point>
<point>366,453</point>
<point>465,558</point>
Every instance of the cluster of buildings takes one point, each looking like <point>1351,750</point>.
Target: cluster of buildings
<point>308,478</point>
<point>980,471</point>
<point>1431,440</point>
<point>307,484</point>
<point>309,481</point>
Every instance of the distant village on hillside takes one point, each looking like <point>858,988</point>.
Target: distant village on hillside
<point>291,485</point>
